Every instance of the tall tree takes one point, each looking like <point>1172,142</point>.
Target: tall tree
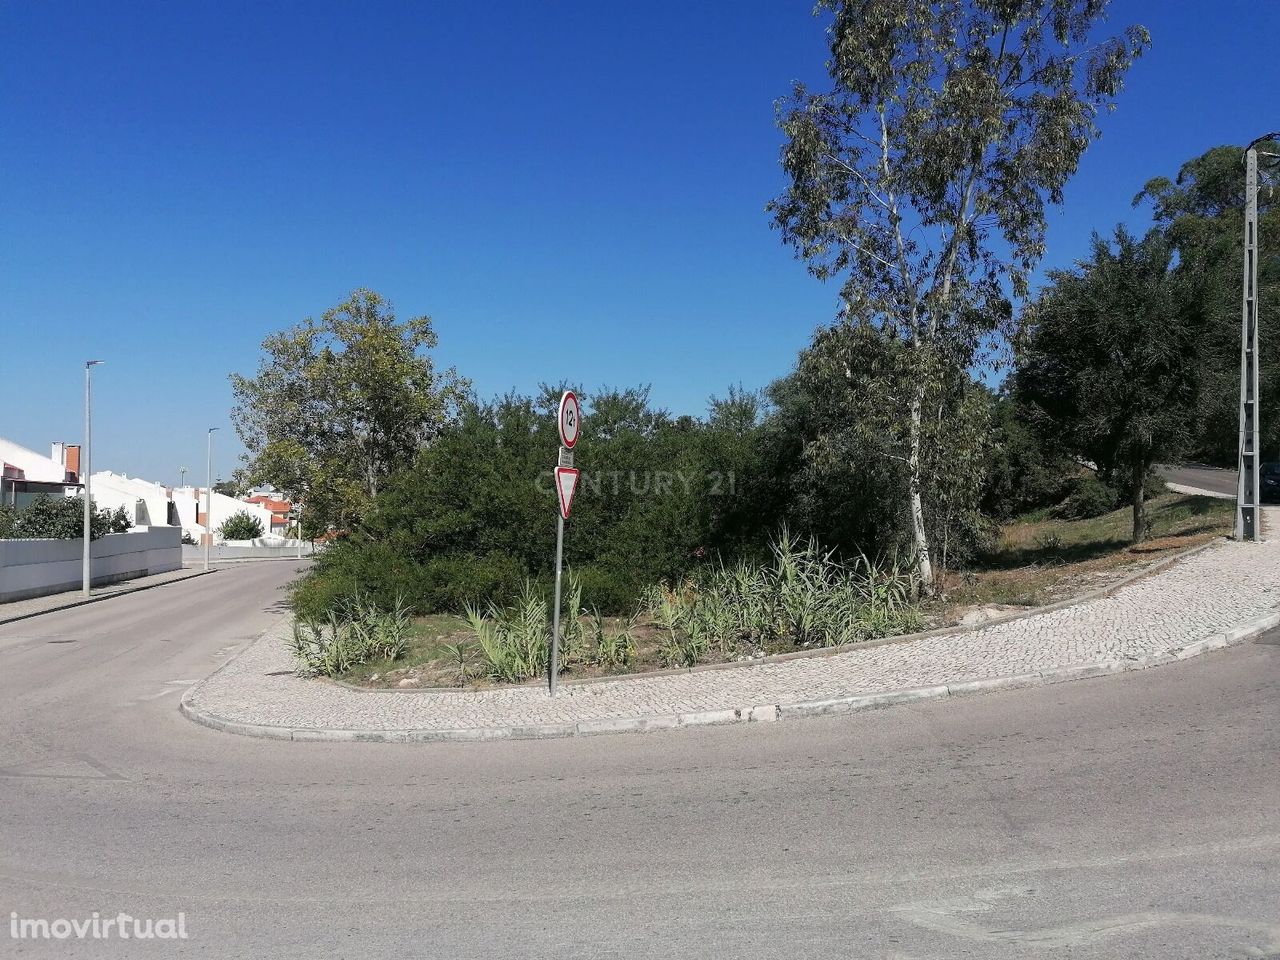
<point>920,177</point>
<point>339,404</point>
<point>1109,364</point>
<point>1201,213</point>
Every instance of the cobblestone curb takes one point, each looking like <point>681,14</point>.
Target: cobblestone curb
<point>759,713</point>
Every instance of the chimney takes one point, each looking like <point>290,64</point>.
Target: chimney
<point>72,462</point>
<point>58,454</point>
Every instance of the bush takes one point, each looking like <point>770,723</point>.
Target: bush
<point>802,598</point>
<point>360,567</point>
<point>241,526</point>
<point>357,633</point>
<point>1089,497</point>
<point>58,518</point>
<point>515,640</point>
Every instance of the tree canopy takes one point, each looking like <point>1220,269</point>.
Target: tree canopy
<point>1109,368</point>
<point>338,405</point>
<point>919,178</point>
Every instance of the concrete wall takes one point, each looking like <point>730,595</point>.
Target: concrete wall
<point>32,568</point>
<point>261,549</point>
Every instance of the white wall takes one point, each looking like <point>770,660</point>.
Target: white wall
<point>33,568</point>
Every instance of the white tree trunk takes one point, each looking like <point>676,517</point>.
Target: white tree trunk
<point>920,537</point>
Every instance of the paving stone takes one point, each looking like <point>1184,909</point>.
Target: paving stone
<point>1199,597</point>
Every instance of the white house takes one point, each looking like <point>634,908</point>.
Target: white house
<point>25,474</point>
<point>145,503</point>
<point>189,502</point>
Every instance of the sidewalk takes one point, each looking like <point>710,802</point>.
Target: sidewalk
<point>1208,599</point>
<point>22,609</point>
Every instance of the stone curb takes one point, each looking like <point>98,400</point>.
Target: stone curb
<point>760,713</point>
<point>81,601</point>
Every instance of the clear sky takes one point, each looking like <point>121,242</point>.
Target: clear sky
<point>571,190</point>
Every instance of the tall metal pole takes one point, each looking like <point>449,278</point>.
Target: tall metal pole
<point>208,495</point>
<point>86,560</point>
<point>1248,526</point>
<point>299,529</point>
<point>555,616</point>
<point>182,476</point>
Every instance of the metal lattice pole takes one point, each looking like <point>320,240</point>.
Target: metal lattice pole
<point>1248,526</point>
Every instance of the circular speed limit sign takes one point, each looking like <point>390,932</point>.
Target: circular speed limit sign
<point>570,419</point>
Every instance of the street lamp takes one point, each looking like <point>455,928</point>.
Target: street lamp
<point>86,574</point>
<point>1248,522</point>
<point>208,496</point>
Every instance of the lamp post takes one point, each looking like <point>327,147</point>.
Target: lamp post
<point>86,573</point>
<point>1248,521</point>
<point>208,496</point>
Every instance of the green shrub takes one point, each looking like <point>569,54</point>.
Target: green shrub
<point>58,518</point>
<point>1089,497</point>
<point>804,597</point>
<point>514,641</point>
<point>362,567</point>
<point>241,526</point>
<point>357,633</point>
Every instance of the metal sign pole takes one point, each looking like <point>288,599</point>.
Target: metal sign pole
<point>555,616</point>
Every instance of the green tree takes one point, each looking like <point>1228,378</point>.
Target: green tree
<point>241,526</point>
<point>1109,367</point>
<point>338,405</point>
<point>920,177</point>
<point>1201,213</point>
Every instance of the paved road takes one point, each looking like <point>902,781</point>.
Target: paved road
<point>1198,475</point>
<point>1134,816</point>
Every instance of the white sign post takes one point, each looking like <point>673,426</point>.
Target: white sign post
<point>570,421</point>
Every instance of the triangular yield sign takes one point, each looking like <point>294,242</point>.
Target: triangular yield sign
<point>566,484</point>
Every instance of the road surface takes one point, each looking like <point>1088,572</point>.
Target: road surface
<point>1132,816</point>
<point>1205,478</point>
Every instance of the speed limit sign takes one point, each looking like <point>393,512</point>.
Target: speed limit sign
<point>570,419</point>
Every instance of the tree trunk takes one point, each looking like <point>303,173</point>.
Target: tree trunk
<point>920,538</point>
<point>1139,504</point>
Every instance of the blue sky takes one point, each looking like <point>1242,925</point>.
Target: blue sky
<point>570,190</point>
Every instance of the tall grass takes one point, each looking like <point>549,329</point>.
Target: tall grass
<point>356,632</point>
<point>803,597</point>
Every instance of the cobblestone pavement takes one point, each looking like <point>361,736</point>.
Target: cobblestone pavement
<point>1203,594</point>
<point>34,606</point>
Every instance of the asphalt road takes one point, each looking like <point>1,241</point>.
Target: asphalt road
<point>1198,475</point>
<point>1132,816</point>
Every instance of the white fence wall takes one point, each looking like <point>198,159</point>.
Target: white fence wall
<point>32,568</point>
<point>260,549</point>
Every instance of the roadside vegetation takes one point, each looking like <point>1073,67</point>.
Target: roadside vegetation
<point>953,438</point>
<point>59,518</point>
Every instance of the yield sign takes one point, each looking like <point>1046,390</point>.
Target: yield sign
<point>566,483</point>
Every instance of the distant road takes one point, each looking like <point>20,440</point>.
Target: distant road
<point>1198,475</point>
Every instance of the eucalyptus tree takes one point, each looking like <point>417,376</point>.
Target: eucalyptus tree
<point>919,177</point>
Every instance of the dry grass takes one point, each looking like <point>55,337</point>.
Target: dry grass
<point>1040,560</point>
